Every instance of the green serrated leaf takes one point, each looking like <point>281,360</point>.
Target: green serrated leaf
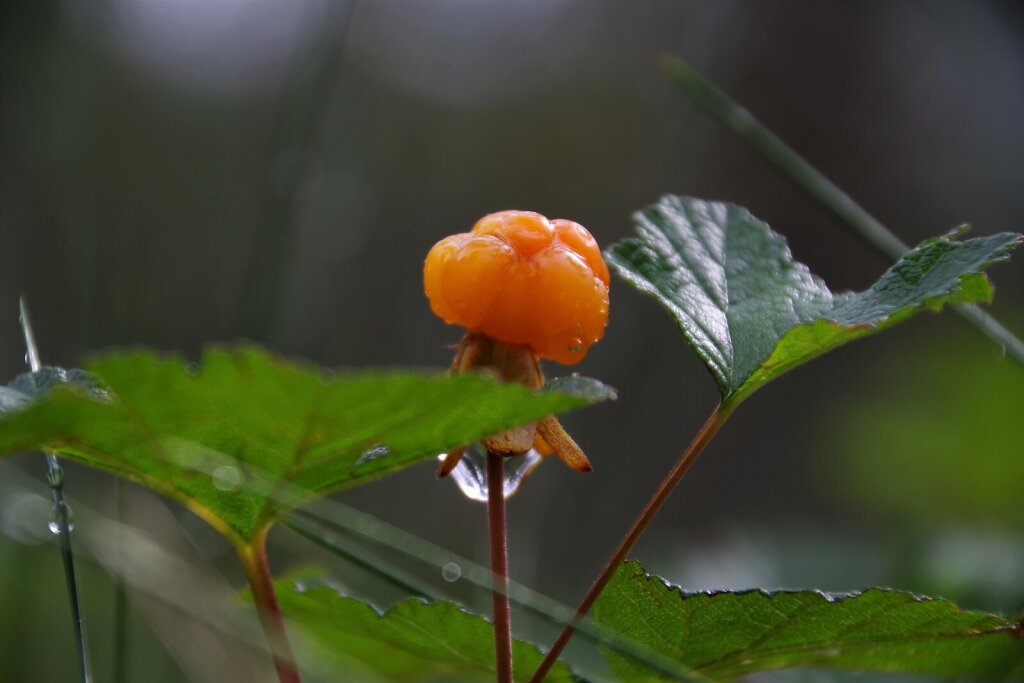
<point>414,640</point>
<point>246,436</point>
<point>730,634</point>
<point>752,313</point>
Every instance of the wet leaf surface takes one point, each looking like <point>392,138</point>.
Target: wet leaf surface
<point>752,313</point>
<point>245,436</point>
<point>728,634</point>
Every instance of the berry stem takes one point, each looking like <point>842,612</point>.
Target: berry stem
<point>700,441</point>
<point>499,567</point>
<point>254,561</point>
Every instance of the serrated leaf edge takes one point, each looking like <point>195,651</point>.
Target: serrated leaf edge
<point>1014,627</point>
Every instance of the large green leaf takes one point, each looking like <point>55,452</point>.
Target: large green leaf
<point>729,634</point>
<point>412,641</point>
<point>246,436</point>
<point>752,313</point>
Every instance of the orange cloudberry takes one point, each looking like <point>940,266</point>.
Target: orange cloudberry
<point>520,278</point>
<point>526,288</point>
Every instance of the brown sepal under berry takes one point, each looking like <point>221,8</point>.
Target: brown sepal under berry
<point>513,363</point>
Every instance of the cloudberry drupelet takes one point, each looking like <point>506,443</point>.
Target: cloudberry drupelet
<point>520,278</point>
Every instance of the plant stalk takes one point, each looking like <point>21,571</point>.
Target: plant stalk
<point>254,563</point>
<point>740,121</point>
<point>499,567</point>
<point>700,441</point>
<point>55,477</point>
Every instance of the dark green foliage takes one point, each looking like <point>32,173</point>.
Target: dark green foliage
<point>246,436</point>
<point>730,634</point>
<point>752,313</point>
<point>414,640</point>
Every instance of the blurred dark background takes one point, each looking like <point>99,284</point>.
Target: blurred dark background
<point>178,172</point>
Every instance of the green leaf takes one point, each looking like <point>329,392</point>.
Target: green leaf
<point>752,313</point>
<point>247,436</point>
<point>412,641</point>
<point>729,634</point>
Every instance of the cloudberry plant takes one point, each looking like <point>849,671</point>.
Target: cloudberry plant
<point>526,288</point>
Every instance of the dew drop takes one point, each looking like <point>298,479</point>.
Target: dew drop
<point>451,572</point>
<point>373,454</point>
<point>471,473</point>
<point>226,478</point>
<point>54,524</point>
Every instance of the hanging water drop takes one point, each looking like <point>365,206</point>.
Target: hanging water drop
<point>55,519</point>
<point>471,473</point>
<point>451,572</point>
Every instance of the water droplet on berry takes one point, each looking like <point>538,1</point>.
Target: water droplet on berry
<point>471,473</point>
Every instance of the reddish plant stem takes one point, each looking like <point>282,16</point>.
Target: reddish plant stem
<point>707,431</point>
<point>499,567</point>
<point>254,562</point>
